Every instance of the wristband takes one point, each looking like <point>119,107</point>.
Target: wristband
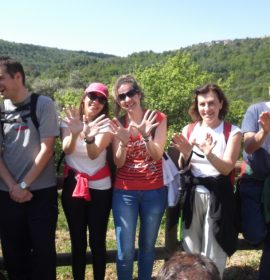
<point>146,138</point>
<point>88,142</point>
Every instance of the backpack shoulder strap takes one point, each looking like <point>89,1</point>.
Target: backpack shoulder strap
<point>190,129</point>
<point>227,130</point>
<point>33,108</point>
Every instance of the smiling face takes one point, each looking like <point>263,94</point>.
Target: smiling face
<point>93,106</point>
<point>9,85</point>
<point>130,99</point>
<point>209,107</point>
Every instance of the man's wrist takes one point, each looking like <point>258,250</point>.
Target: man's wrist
<point>23,185</point>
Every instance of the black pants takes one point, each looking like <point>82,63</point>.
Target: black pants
<point>28,235</point>
<point>81,214</point>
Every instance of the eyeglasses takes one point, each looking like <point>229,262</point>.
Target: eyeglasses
<point>129,94</point>
<point>92,96</point>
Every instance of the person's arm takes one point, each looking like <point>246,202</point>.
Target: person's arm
<point>155,146</point>
<point>41,160</point>
<point>120,142</point>
<point>71,128</point>
<point>97,136</point>
<point>253,141</point>
<point>120,152</point>
<point>99,144</point>
<point>16,193</point>
<point>68,140</point>
<point>181,143</point>
<point>226,164</point>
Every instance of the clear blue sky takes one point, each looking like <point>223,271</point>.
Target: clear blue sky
<point>122,27</point>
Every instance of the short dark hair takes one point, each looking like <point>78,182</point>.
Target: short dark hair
<point>12,67</point>
<point>184,266</point>
<point>193,110</point>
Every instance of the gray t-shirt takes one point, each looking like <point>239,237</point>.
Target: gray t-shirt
<point>21,141</point>
<point>260,159</point>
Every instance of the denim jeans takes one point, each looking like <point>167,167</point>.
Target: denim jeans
<point>255,229</point>
<point>253,222</point>
<point>149,206</point>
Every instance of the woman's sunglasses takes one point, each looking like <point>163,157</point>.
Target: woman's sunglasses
<point>129,94</point>
<point>92,96</point>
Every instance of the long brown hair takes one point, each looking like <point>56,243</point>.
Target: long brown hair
<point>125,79</point>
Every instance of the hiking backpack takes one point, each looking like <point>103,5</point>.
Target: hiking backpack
<point>30,107</point>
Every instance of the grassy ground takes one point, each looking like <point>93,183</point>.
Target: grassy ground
<point>243,265</point>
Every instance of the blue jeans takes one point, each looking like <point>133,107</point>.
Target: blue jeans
<point>255,229</point>
<point>127,206</point>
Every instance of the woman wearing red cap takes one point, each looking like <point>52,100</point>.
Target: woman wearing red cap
<point>139,190</point>
<point>87,194</point>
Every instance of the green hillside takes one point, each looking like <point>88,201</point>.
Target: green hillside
<point>245,62</point>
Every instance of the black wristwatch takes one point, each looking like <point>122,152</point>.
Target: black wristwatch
<point>89,141</point>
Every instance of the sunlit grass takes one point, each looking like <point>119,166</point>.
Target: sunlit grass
<point>243,265</point>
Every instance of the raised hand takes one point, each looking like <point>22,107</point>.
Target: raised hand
<point>73,120</point>
<point>147,124</point>
<point>181,143</point>
<point>92,128</point>
<point>207,145</point>
<point>264,121</point>
<point>119,131</point>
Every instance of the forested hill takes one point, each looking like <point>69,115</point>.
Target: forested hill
<point>245,61</point>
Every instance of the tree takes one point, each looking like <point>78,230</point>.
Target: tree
<point>169,86</point>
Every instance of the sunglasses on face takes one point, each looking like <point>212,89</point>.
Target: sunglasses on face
<point>129,94</point>
<point>92,96</point>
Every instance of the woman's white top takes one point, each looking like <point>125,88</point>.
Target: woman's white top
<point>80,161</point>
<point>201,167</point>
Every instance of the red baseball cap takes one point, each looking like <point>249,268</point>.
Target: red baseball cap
<point>98,87</point>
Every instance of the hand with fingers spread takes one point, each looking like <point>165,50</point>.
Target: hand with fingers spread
<point>119,131</point>
<point>147,124</point>
<point>207,146</point>
<point>92,128</point>
<point>181,143</point>
<point>73,120</point>
<point>264,121</point>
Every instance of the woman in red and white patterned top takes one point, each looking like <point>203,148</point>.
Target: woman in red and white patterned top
<point>139,190</point>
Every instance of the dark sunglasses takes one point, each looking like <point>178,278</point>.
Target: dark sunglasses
<point>92,96</point>
<point>129,94</point>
